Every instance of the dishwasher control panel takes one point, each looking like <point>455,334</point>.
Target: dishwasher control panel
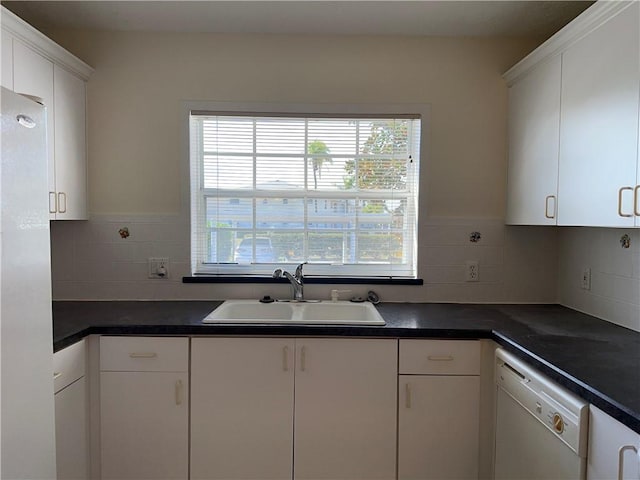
<point>562,412</point>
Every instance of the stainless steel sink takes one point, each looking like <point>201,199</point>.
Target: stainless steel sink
<point>325,313</point>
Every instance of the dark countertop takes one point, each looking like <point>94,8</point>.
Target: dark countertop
<point>597,360</point>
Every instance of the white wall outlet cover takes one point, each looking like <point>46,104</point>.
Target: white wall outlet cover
<point>159,267</point>
<point>472,271</point>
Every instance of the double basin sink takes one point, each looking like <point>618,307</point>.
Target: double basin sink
<point>303,313</point>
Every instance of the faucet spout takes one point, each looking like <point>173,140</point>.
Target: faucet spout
<point>296,281</point>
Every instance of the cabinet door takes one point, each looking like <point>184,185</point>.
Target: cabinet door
<point>345,409</point>
<point>71,432</point>
<point>33,75</point>
<point>606,437</point>
<point>7,61</point>
<point>144,425</point>
<point>242,408</point>
<point>534,130</point>
<point>438,427</point>
<point>599,124</point>
<point>70,146</point>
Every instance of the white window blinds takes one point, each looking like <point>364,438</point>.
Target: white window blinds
<point>337,192</point>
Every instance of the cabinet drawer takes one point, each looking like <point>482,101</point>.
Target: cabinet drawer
<point>439,357</point>
<point>68,365</point>
<point>144,354</point>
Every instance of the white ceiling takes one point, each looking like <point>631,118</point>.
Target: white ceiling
<point>345,17</point>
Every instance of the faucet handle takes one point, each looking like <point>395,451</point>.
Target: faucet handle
<point>298,274</point>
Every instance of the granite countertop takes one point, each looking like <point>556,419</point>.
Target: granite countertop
<point>597,360</point>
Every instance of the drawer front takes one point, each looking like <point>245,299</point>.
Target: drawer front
<point>144,354</point>
<point>439,357</point>
<point>69,365</point>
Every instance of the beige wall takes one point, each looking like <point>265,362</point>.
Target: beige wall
<point>141,78</point>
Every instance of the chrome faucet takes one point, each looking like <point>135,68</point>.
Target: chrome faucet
<point>296,280</point>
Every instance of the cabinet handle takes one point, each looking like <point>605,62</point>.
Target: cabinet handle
<point>285,359</point>
<point>303,359</point>
<point>407,395</point>
<point>440,358</point>
<point>179,392</point>
<point>53,205</point>
<point>623,449</point>
<point>61,196</point>
<point>636,200</point>
<point>57,375</point>
<point>143,355</point>
<point>620,194</point>
<point>546,206</point>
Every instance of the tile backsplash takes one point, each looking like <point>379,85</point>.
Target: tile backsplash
<point>91,261</point>
<point>613,256</point>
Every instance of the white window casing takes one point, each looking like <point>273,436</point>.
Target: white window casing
<point>336,189</point>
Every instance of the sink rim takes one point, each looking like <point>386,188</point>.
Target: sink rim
<point>297,315</point>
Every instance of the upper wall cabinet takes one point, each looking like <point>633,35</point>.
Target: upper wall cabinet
<point>534,128</point>
<point>576,100</point>
<point>34,65</point>
<point>599,124</point>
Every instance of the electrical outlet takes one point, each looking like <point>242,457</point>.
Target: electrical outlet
<point>585,282</point>
<point>472,272</point>
<point>159,267</point>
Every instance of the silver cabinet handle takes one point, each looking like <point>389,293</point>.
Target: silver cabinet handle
<point>620,194</point>
<point>636,200</point>
<point>546,207</point>
<point>623,449</point>
<point>407,395</point>
<point>285,359</point>
<point>179,392</point>
<point>57,375</point>
<point>440,358</point>
<point>62,196</point>
<point>53,202</point>
<point>303,359</point>
<point>143,355</point>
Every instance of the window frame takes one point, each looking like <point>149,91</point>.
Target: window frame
<point>395,272</point>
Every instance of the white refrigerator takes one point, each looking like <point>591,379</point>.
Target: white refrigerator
<point>27,432</point>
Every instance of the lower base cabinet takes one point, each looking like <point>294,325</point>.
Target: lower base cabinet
<point>438,427</point>
<point>305,408</point>
<point>439,410</point>
<point>71,432</point>
<point>144,408</point>
<point>614,449</point>
<point>71,412</point>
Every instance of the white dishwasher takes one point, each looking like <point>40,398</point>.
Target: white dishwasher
<point>541,428</point>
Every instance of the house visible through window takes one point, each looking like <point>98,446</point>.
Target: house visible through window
<point>337,192</point>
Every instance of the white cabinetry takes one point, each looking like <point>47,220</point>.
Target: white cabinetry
<point>6,75</point>
<point>245,393</point>
<point>70,146</point>
<point>613,449</point>
<point>241,408</point>
<point>599,124</point>
<point>72,452</point>
<point>534,129</point>
<point>438,412</point>
<point>144,398</point>
<point>34,65</point>
<point>592,68</point>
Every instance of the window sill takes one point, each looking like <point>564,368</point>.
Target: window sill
<point>307,280</point>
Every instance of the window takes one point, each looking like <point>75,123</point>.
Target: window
<point>337,192</point>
